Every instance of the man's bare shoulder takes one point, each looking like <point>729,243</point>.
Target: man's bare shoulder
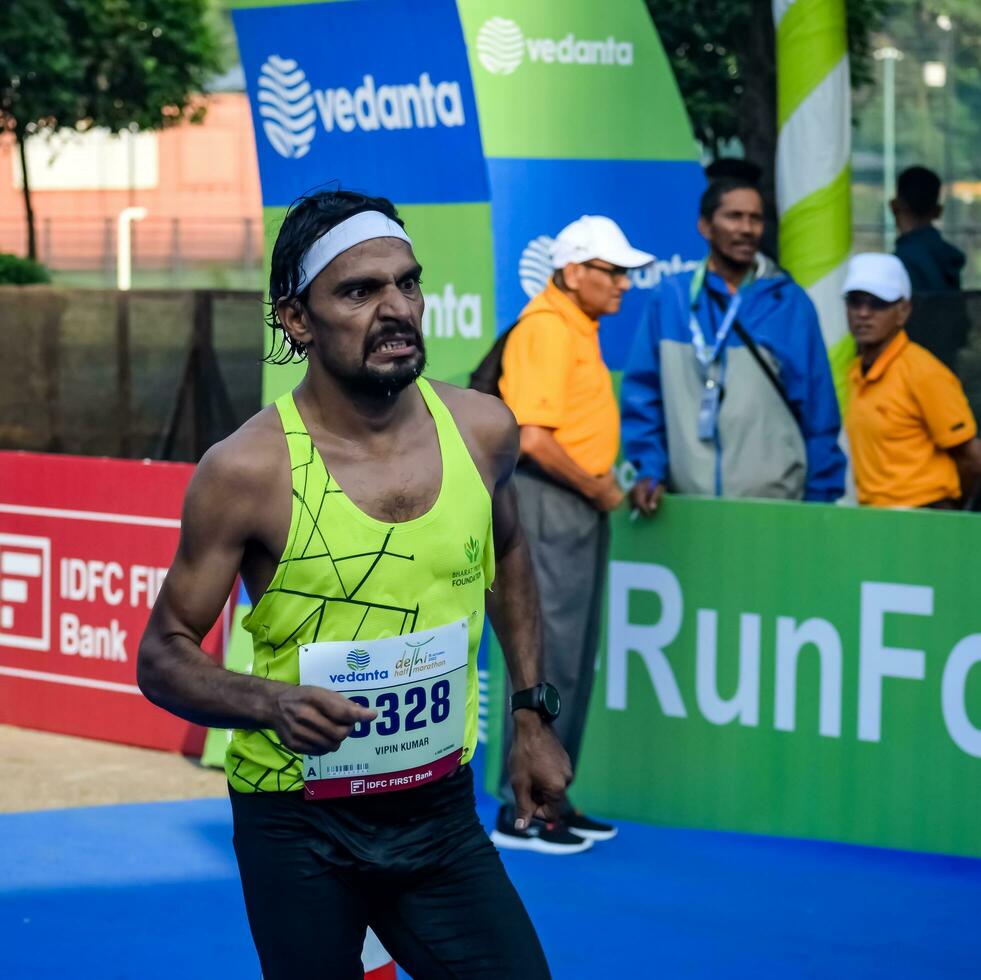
<point>484,417</point>
<point>248,459</point>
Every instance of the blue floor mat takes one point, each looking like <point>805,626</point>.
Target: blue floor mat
<point>151,891</point>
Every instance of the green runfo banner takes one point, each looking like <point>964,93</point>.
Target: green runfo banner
<point>798,670</point>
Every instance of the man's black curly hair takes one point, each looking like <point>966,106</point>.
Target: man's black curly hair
<point>307,219</point>
<point>717,189</point>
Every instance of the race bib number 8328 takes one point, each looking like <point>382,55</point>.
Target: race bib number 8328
<point>418,685</point>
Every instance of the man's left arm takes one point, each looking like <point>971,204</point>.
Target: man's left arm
<point>820,420</point>
<point>539,767</point>
<point>949,420</point>
<point>967,456</point>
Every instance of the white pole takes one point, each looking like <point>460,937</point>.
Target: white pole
<point>889,57</point>
<point>124,263</point>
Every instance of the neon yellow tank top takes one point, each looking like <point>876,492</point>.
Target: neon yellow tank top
<point>346,576</point>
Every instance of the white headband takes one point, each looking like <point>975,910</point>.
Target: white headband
<point>359,228</point>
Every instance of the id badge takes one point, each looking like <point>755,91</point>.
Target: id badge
<point>708,410</point>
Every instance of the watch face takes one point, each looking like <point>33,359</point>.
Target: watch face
<point>551,701</point>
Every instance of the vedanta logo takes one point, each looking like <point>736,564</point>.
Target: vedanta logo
<point>286,107</point>
<point>289,106</point>
<point>502,46</point>
<point>535,266</point>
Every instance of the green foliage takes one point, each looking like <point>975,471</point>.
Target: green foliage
<point>706,42</point>
<point>112,63</point>
<point>118,64</point>
<point>702,41</point>
<point>15,271</point>
<point>864,19</point>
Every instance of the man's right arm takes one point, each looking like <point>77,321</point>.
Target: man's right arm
<point>541,445</point>
<point>812,389</point>
<point>535,385</point>
<point>642,412</point>
<point>172,669</point>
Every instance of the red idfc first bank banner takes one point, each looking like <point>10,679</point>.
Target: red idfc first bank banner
<point>84,548</point>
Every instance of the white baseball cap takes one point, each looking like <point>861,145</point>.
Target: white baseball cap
<point>595,237</point>
<point>881,275</point>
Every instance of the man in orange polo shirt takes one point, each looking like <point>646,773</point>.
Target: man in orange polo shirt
<point>554,380</point>
<point>912,434</point>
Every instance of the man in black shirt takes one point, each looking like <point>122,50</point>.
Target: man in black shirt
<point>934,265</point>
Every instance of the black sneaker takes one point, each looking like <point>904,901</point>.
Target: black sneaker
<point>588,829</point>
<point>545,838</point>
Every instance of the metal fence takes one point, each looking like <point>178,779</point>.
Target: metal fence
<point>227,252</point>
<point>174,245</point>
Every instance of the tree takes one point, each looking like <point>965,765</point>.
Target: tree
<point>118,64</point>
<point>723,55</point>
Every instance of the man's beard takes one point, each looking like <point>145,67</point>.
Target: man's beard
<point>738,261</point>
<point>379,381</point>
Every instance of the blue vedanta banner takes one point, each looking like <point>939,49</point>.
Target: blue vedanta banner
<point>654,202</point>
<point>371,95</point>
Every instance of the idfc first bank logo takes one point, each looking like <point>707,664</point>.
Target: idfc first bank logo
<point>25,592</point>
<point>293,111</point>
<point>502,47</point>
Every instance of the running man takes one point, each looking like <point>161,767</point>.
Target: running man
<point>365,512</point>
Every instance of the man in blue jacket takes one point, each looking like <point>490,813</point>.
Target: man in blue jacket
<point>728,391</point>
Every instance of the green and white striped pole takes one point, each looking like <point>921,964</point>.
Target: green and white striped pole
<point>813,160</point>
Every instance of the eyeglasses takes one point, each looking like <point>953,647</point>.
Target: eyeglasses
<point>855,301</point>
<point>613,271</point>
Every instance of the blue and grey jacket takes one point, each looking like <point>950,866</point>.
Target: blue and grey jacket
<point>759,448</point>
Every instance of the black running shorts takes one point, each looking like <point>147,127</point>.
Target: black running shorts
<point>415,865</point>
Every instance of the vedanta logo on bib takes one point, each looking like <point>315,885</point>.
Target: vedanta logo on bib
<point>289,106</point>
<point>502,46</point>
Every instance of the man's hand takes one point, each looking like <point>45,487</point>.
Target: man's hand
<point>646,496</point>
<point>313,720</point>
<point>967,457</point>
<point>539,768</point>
<point>607,494</point>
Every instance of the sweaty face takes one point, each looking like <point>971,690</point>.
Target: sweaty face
<point>735,230</point>
<point>873,321</point>
<point>365,313</point>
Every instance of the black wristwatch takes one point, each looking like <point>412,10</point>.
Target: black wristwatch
<point>543,698</point>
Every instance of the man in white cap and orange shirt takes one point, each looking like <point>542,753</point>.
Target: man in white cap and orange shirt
<point>911,431</point>
<point>560,391</point>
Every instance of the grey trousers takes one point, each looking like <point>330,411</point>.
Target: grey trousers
<point>569,541</point>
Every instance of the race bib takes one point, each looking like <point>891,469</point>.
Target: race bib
<point>418,685</point>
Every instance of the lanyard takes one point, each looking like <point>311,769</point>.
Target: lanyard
<point>705,356</point>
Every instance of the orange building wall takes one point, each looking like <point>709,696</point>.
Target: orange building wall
<point>207,202</point>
